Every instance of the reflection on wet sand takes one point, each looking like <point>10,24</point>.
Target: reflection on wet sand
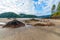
<point>30,32</point>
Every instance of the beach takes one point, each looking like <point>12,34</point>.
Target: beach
<point>31,32</point>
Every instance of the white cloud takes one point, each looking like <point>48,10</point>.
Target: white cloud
<point>25,6</point>
<point>17,6</point>
<point>47,8</point>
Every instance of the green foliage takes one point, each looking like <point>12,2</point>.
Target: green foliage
<point>14,15</point>
<point>53,8</point>
<point>27,16</point>
<point>56,14</point>
<point>9,15</point>
<point>58,7</point>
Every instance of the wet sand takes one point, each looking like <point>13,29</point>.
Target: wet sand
<point>31,33</point>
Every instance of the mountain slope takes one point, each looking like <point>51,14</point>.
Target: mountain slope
<point>9,15</point>
<point>27,16</point>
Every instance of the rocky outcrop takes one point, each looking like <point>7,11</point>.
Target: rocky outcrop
<point>44,24</point>
<point>14,24</point>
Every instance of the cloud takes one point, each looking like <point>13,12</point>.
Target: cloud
<point>24,6</point>
<point>44,6</point>
<point>36,7</point>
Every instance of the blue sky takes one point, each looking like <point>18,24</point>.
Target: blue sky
<point>34,7</point>
<point>43,7</point>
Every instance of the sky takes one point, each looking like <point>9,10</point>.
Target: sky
<point>32,7</point>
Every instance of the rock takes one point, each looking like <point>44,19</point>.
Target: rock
<point>14,24</point>
<point>28,22</point>
<point>44,24</point>
<point>39,24</point>
<point>34,20</point>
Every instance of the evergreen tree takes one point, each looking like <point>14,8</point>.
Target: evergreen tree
<point>58,7</point>
<point>53,8</point>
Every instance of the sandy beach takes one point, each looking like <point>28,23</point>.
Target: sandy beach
<point>30,32</point>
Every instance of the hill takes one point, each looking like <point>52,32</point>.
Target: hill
<point>27,16</point>
<point>44,16</point>
<point>56,15</point>
<point>9,15</point>
<point>21,15</point>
